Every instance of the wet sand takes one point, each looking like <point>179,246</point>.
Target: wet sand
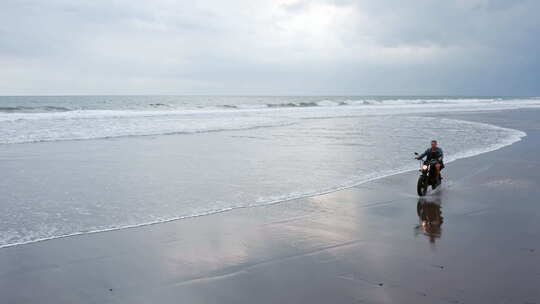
<point>477,240</point>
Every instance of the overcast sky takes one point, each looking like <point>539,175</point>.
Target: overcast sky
<point>280,47</point>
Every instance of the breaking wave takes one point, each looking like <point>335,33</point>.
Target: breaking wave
<point>40,109</point>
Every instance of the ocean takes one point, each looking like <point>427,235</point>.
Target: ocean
<point>83,164</point>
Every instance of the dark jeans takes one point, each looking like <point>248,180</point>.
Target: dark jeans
<point>434,161</point>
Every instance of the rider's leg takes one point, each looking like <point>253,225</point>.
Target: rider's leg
<point>438,169</point>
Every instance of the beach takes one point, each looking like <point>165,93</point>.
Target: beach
<point>475,240</point>
<point>263,151</point>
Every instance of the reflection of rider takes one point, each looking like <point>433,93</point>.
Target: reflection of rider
<point>434,154</point>
<point>431,220</point>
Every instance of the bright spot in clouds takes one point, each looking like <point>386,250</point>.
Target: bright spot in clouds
<point>484,47</point>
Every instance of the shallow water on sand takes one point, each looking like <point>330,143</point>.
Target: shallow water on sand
<point>74,181</point>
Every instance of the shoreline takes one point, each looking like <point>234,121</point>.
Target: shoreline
<point>516,137</point>
<point>365,244</point>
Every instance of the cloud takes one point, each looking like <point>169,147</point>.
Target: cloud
<point>477,47</point>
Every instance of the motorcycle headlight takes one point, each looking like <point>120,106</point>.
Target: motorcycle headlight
<point>424,167</point>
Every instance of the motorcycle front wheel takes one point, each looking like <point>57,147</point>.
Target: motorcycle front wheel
<point>421,186</point>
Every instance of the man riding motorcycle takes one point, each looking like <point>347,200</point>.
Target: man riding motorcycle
<point>436,155</point>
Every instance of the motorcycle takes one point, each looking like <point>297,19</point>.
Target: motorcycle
<point>427,177</point>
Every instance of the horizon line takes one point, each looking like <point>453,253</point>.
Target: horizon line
<point>277,95</point>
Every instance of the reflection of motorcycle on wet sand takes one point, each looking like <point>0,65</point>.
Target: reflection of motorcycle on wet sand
<point>430,216</point>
